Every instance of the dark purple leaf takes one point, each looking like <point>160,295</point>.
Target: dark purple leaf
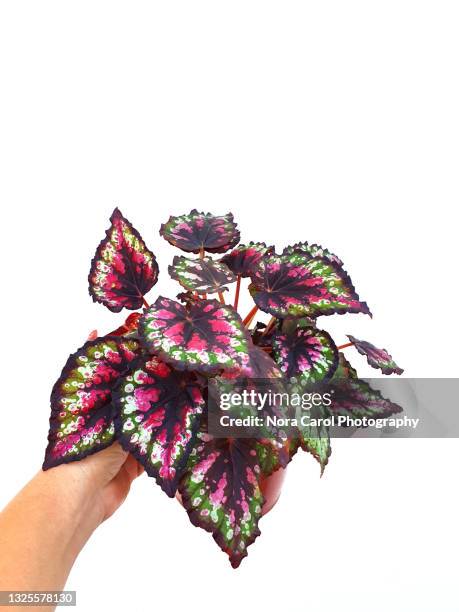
<point>201,275</point>
<point>204,336</point>
<point>307,353</point>
<point>123,270</point>
<point>201,231</point>
<point>296,285</point>
<point>312,250</point>
<point>158,412</point>
<point>221,492</point>
<point>245,257</point>
<point>355,398</point>
<point>81,420</point>
<point>377,358</point>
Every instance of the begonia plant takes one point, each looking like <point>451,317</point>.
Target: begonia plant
<point>146,383</point>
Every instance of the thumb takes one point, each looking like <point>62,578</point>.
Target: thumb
<point>105,465</point>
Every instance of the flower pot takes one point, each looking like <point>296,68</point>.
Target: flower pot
<point>270,487</point>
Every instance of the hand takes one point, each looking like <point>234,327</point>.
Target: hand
<point>47,524</point>
<point>104,479</point>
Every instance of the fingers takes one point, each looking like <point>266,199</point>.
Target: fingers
<point>132,467</point>
<point>118,488</point>
<point>103,466</point>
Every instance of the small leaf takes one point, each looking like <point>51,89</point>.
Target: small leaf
<point>201,275</point>
<point>313,434</point>
<point>81,420</point>
<point>158,412</point>
<point>198,230</point>
<point>221,492</point>
<point>204,336</point>
<point>315,439</point>
<point>243,258</point>
<point>344,369</point>
<point>307,353</point>
<point>355,398</point>
<point>377,358</point>
<point>312,250</point>
<point>123,270</point>
<point>296,285</point>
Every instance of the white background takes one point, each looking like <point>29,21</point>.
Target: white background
<point>334,122</point>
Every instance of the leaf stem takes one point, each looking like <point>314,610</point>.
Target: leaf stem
<point>269,327</point>
<point>145,303</point>
<point>201,253</point>
<point>343,346</point>
<point>248,320</point>
<point>238,289</point>
<point>221,297</point>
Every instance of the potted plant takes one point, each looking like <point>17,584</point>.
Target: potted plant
<point>146,383</point>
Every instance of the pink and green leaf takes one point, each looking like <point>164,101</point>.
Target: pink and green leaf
<point>315,439</point>
<point>312,250</point>
<point>313,435</point>
<point>377,358</point>
<point>199,231</point>
<point>355,398</point>
<point>344,369</point>
<point>81,420</point>
<point>201,275</point>
<point>244,257</point>
<point>204,336</point>
<point>307,353</point>
<point>297,286</point>
<point>158,413</point>
<point>221,492</point>
<point>123,270</point>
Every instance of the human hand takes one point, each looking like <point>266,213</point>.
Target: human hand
<point>46,525</point>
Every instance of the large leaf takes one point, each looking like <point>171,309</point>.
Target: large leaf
<point>308,353</point>
<point>204,336</point>
<point>297,285</point>
<point>312,250</point>
<point>201,275</point>
<point>158,412</point>
<point>221,492</point>
<point>81,420</point>
<point>201,231</point>
<point>377,358</point>
<point>123,270</point>
<point>244,257</point>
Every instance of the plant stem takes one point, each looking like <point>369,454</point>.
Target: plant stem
<point>248,320</point>
<point>343,346</point>
<point>145,303</point>
<point>238,289</point>
<point>221,297</point>
<point>201,253</point>
<point>269,327</point>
